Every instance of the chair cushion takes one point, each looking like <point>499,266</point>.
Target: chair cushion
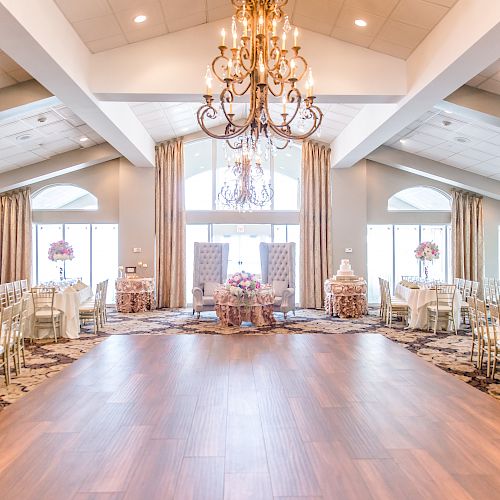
<point>277,301</point>
<point>442,308</point>
<point>87,308</point>
<point>279,287</point>
<point>209,288</point>
<point>208,301</point>
<point>47,313</point>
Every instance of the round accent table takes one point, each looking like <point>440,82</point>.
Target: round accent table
<point>135,295</point>
<point>232,310</point>
<point>346,299</point>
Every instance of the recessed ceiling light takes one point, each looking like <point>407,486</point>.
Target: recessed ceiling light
<point>24,137</point>
<point>84,139</point>
<point>463,140</point>
<point>361,23</point>
<point>402,141</point>
<point>140,19</point>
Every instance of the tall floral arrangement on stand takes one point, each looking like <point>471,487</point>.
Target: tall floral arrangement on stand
<point>427,252</point>
<point>60,251</point>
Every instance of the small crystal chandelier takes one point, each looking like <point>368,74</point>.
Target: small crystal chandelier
<point>247,185</point>
<point>258,65</point>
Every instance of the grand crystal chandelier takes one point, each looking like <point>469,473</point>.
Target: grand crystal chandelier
<point>259,65</point>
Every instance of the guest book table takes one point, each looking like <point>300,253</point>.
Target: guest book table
<point>232,310</point>
<point>346,299</point>
<point>135,294</point>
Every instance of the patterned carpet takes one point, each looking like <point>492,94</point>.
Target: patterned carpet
<point>447,351</point>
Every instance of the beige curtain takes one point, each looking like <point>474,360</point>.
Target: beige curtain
<point>467,235</point>
<point>315,224</point>
<point>15,236</point>
<point>170,225</point>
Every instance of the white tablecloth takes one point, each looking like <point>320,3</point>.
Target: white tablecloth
<point>67,301</point>
<point>418,299</point>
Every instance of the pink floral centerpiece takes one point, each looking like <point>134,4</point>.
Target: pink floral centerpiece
<point>243,283</point>
<point>60,251</point>
<point>427,252</point>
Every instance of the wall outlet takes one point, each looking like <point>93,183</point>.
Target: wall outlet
<point>138,250</point>
<point>348,250</point>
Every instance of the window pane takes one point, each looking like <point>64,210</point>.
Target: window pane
<point>198,174</point>
<point>287,179</point>
<point>224,163</point>
<point>64,197</point>
<point>437,234</point>
<point>380,258</point>
<point>47,234</point>
<point>244,240</point>
<point>194,233</point>
<point>78,236</point>
<point>406,239</point>
<point>105,256</point>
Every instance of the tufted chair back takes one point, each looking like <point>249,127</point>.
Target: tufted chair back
<point>210,263</point>
<point>277,262</point>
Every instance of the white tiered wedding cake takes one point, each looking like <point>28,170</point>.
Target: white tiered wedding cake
<point>345,271</point>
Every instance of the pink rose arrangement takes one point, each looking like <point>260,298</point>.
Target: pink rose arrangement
<point>60,250</point>
<point>427,250</point>
<point>246,282</point>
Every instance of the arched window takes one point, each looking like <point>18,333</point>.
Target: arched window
<point>63,197</point>
<point>420,198</point>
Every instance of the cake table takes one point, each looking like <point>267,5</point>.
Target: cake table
<point>345,293</point>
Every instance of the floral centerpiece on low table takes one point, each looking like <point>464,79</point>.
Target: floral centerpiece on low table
<point>243,284</point>
<point>427,252</point>
<point>60,251</point>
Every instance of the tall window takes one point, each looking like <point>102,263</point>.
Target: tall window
<point>209,221</point>
<point>95,247</point>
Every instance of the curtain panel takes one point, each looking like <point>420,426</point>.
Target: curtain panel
<point>170,225</point>
<point>316,258</point>
<point>467,235</point>
<point>15,236</point>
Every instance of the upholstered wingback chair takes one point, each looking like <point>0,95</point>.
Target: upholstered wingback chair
<point>210,270</point>
<point>277,261</point>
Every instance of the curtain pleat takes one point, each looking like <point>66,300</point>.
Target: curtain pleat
<point>170,225</point>
<point>15,236</point>
<point>315,224</point>
<point>467,235</point>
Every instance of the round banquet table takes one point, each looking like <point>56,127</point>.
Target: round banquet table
<point>135,295</point>
<point>346,299</point>
<point>232,309</point>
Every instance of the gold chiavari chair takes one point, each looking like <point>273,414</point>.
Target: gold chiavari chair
<point>6,345</point>
<point>45,314</point>
<point>381,311</point>
<point>443,308</point>
<point>11,293</point>
<point>102,305</point>
<point>474,289</point>
<point>472,315</point>
<point>17,291</point>
<point>91,309</point>
<point>24,286</point>
<point>394,306</point>
<point>495,326</point>
<point>486,336</point>
<point>19,332</point>
<point>4,302</point>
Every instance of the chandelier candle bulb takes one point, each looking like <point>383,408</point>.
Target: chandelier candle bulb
<point>274,27</point>
<point>223,37</point>
<point>295,37</point>
<point>283,46</point>
<point>245,27</point>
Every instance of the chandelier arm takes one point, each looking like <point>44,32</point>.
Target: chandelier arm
<point>317,117</point>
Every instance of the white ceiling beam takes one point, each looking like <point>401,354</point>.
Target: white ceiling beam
<point>473,104</point>
<point>437,171</point>
<point>172,68</point>
<point>464,43</point>
<point>57,165</point>
<point>39,38</point>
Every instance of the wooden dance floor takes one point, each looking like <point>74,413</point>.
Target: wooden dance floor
<point>251,417</point>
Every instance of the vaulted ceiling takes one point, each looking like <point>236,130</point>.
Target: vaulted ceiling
<point>133,84</point>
